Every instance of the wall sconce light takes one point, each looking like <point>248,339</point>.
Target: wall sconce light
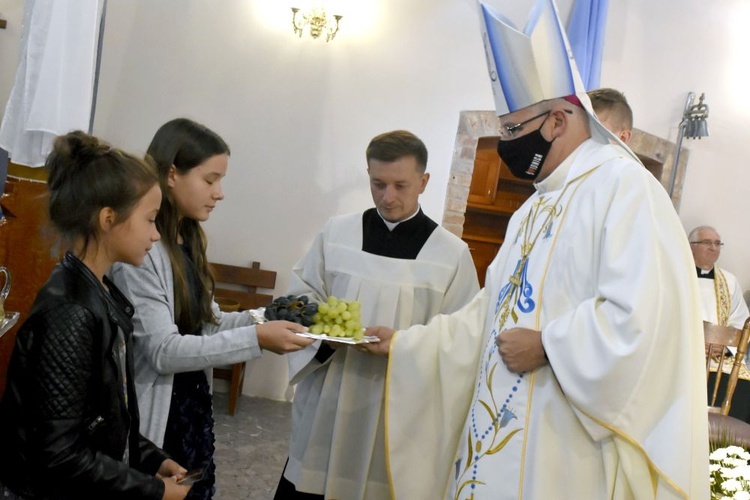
<point>692,126</point>
<point>317,22</point>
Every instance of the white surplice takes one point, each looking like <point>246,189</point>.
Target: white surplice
<point>738,311</point>
<point>620,410</point>
<point>337,444</point>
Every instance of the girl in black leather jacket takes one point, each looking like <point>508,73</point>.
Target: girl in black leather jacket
<point>69,417</point>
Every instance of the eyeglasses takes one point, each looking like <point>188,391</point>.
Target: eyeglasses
<point>708,243</point>
<point>507,131</point>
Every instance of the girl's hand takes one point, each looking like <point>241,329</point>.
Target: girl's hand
<point>170,468</point>
<point>174,491</point>
<point>281,337</point>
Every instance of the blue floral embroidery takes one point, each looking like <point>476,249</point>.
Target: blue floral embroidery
<point>524,301</point>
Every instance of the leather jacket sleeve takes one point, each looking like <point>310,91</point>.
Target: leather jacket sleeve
<point>62,368</point>
<point>151,455</point>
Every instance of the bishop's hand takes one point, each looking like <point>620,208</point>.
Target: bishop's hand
<point>521,349</point>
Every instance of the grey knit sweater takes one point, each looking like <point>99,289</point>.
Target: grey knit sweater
<point>158,348</point>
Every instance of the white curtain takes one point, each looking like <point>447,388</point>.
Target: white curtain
<point>53,88</point>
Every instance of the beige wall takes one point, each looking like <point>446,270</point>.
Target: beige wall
<point>298,113</point>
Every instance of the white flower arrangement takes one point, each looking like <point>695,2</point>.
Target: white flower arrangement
<point>730,473</point>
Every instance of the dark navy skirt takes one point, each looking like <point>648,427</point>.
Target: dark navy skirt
<point>189,437</point>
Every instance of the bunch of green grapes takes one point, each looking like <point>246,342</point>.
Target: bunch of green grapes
<point>338,318</point>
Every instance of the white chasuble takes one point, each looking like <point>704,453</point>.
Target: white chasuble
<point>337,444</point>
<point>598,261</point>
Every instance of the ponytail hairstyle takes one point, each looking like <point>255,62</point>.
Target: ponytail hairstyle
<point>87,175</point>
<point>185,144</point>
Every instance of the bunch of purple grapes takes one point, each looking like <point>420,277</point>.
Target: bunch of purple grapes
<point>297,309</point>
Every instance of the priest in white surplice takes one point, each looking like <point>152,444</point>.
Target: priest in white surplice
<point>577,373</point>
<point>404,269</point>
<point>723,303</point>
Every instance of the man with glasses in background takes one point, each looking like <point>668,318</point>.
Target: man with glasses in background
<point>721,294</point>
<point>722,303</point>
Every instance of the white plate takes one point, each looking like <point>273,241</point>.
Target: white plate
<point>342,340</point>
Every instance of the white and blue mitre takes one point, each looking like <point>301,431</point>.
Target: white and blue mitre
<point>535,64</point>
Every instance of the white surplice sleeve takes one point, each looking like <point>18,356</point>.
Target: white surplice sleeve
<point>465,284</point>
<point>308,278</point>
<point>739,307</point>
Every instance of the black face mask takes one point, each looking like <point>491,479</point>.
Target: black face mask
<point>525,155</point>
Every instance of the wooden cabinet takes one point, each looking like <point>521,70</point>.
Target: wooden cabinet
<point>494,195</point>
<point>483,189</point>
<point>482,253</point>
<point>27,248</point>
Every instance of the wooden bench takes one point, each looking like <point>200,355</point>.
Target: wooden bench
<point>246,281</point>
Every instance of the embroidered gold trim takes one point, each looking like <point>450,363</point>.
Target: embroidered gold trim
<point>536,323</point>
<point>723,300</point>
<point>635,444</point>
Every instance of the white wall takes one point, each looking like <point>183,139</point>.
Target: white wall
<point>298,113</point>
<point>656,52</point>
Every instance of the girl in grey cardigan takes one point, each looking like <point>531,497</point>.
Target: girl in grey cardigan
<point>180,334</point>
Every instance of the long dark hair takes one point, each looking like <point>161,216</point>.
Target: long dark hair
<point>86,175</point>
<point>185,144</point>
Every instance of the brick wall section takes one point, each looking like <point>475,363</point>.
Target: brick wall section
<point>471,126</point>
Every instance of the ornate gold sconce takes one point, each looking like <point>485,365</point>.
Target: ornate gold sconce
<point>317,21</point>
